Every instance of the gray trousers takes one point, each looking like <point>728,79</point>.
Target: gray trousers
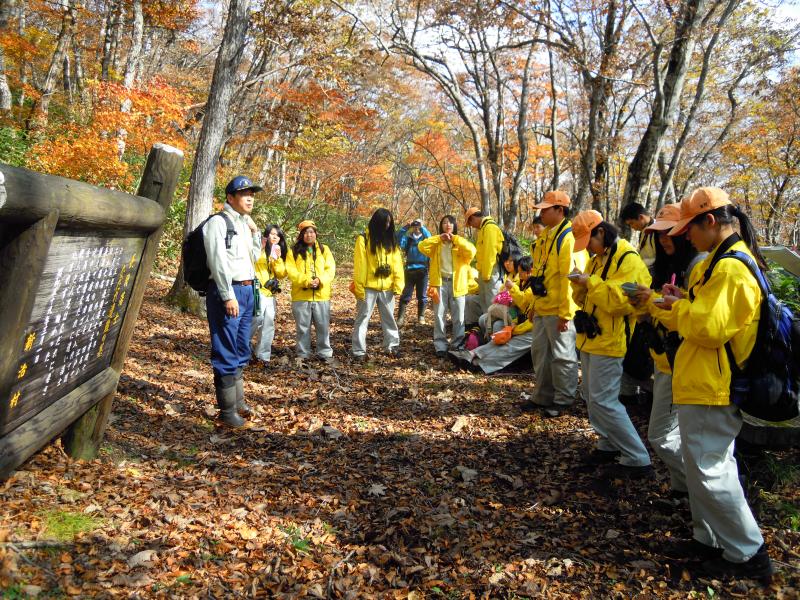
<point>472,308</point>
<point>609,419</point>
<point>264,328</point>
<point>319,313</point>
<point>720,514</point>
<point>663,432</point>
<point>364,310</point>
<point>554,362</point>
<point>487,290</point>
<point>455,306</point>
<point>491,357</point>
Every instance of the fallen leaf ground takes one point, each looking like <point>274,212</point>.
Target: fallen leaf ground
<point>401,478</point>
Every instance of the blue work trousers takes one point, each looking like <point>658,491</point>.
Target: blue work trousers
<point>230,336</point>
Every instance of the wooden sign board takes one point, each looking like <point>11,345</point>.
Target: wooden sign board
<point>74,263</point>
<point>82,295</point>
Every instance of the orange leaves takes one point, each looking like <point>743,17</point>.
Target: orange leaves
<point>91,151</point>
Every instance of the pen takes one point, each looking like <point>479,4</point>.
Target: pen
<point>672,279</point>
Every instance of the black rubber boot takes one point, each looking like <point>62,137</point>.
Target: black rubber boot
<point>226,400</point>
<point>421,314</point>
<point>401,313</point>
<point>243,408</point>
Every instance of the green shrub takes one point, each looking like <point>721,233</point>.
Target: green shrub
<point>14,145</point>
<point>785,286</point>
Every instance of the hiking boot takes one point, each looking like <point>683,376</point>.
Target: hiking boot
<point>689,549</point>
<point>241,406</point>
<point>600,457</point>
<point>758,567</point>
<point>358,358</point>
<point>618,471</point>
<point>551,412</point>
<point>441,354</point>
<point>226,400</point>
<point>394,352</point>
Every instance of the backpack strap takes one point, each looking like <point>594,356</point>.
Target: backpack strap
<point>721,251</point>
<point>230,230</point>
<point>561,238</point>
<point>607,266</point>
<point>621,258</point>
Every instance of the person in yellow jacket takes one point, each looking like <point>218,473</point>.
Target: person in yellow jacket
<point>311,269</point>
<point>675,260</point>
<point>377,278</point>
<point>552,309</point>
<point>722,307</point>
<point>604,325</point>
<point>488,245</point>
<point>270,269</point>
<point>449,272</point>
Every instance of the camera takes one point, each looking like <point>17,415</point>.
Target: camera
<point>383,271</point>
<point>586,324</point>
<point>537,285</point>
<point>273,285</point>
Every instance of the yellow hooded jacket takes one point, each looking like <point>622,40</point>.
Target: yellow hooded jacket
<point>726,308</point>
<point>267,268</point>
<point>302,270</point>
<point>555,264</point>
<point>365,263</point>
<point>489,244</point>
<point>609,304</point>
<point>463,253</point>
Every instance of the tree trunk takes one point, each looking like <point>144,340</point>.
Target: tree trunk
<point>204,170</point>
<point>553,120</point>
<point>666,102</point>
<point>114,23</point>
<point>6,6</point>
<point>135,53</point>
<point>40,109</point>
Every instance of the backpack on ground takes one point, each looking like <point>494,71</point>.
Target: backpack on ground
<point>195,261</point>
<point>768,387</point>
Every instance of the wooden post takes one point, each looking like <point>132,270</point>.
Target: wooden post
<point>159,180</point>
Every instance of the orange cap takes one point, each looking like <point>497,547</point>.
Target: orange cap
<point>553,198</point>
<point>307,223</point>
<point>666,218</point>
<point>699,201</point>
<point>582,226</point>
<point>470,211</point>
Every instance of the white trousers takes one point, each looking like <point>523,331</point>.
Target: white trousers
<point>720,514</point>
<point>663,431</point>
<point>455,306</point>
<point>264,328</point>
<point>319,313</point>
<point>491,357</point>
<point>610,420</point>
<point>364,310</point>
<point>555,362</point>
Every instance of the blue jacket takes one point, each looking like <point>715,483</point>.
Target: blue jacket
<point>414,258</point>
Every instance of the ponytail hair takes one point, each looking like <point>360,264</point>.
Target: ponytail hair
<point>725,215</point>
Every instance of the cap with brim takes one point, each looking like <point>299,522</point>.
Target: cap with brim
<point>699,201</point>
<point>240,184</point>
<point>470,211</point>
<point>582,226</point>
<point>553,198</point>
<point>666,218</point>
<point>303,225</point>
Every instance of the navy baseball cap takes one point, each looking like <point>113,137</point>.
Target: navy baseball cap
<point>237,184</point>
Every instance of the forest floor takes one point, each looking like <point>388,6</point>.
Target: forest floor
<point>400,478</point>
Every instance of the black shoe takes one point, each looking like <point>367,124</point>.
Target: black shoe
<point>618,471</point>
<point>600,457</point>
<point>758,567</point>
<point>441,354</point>
<point>394,352</point>
<point>689,550</point>
<point>551,412</point>
<point>358,358</point>
<point>529,406</point>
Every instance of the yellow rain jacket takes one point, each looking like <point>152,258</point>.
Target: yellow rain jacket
<point>489,244</point>
<point>473,287</point>
<point>555,264</point>
<point>267,268</point>
<point>463,253</point>
<point>365,263</point>
<point>302,270</point>
<point>726,308</point>
<point>609,304</point>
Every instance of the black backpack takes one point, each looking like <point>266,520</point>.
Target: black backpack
<point>768,387</point>
<point>195,262</point>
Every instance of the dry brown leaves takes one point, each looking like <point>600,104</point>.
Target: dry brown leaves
<point>402,478</point>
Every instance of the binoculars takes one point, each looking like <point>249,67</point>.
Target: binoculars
<point>586,324</point>
<point>383,271</point>
<point>273,285</point>
<point>536,284</point>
